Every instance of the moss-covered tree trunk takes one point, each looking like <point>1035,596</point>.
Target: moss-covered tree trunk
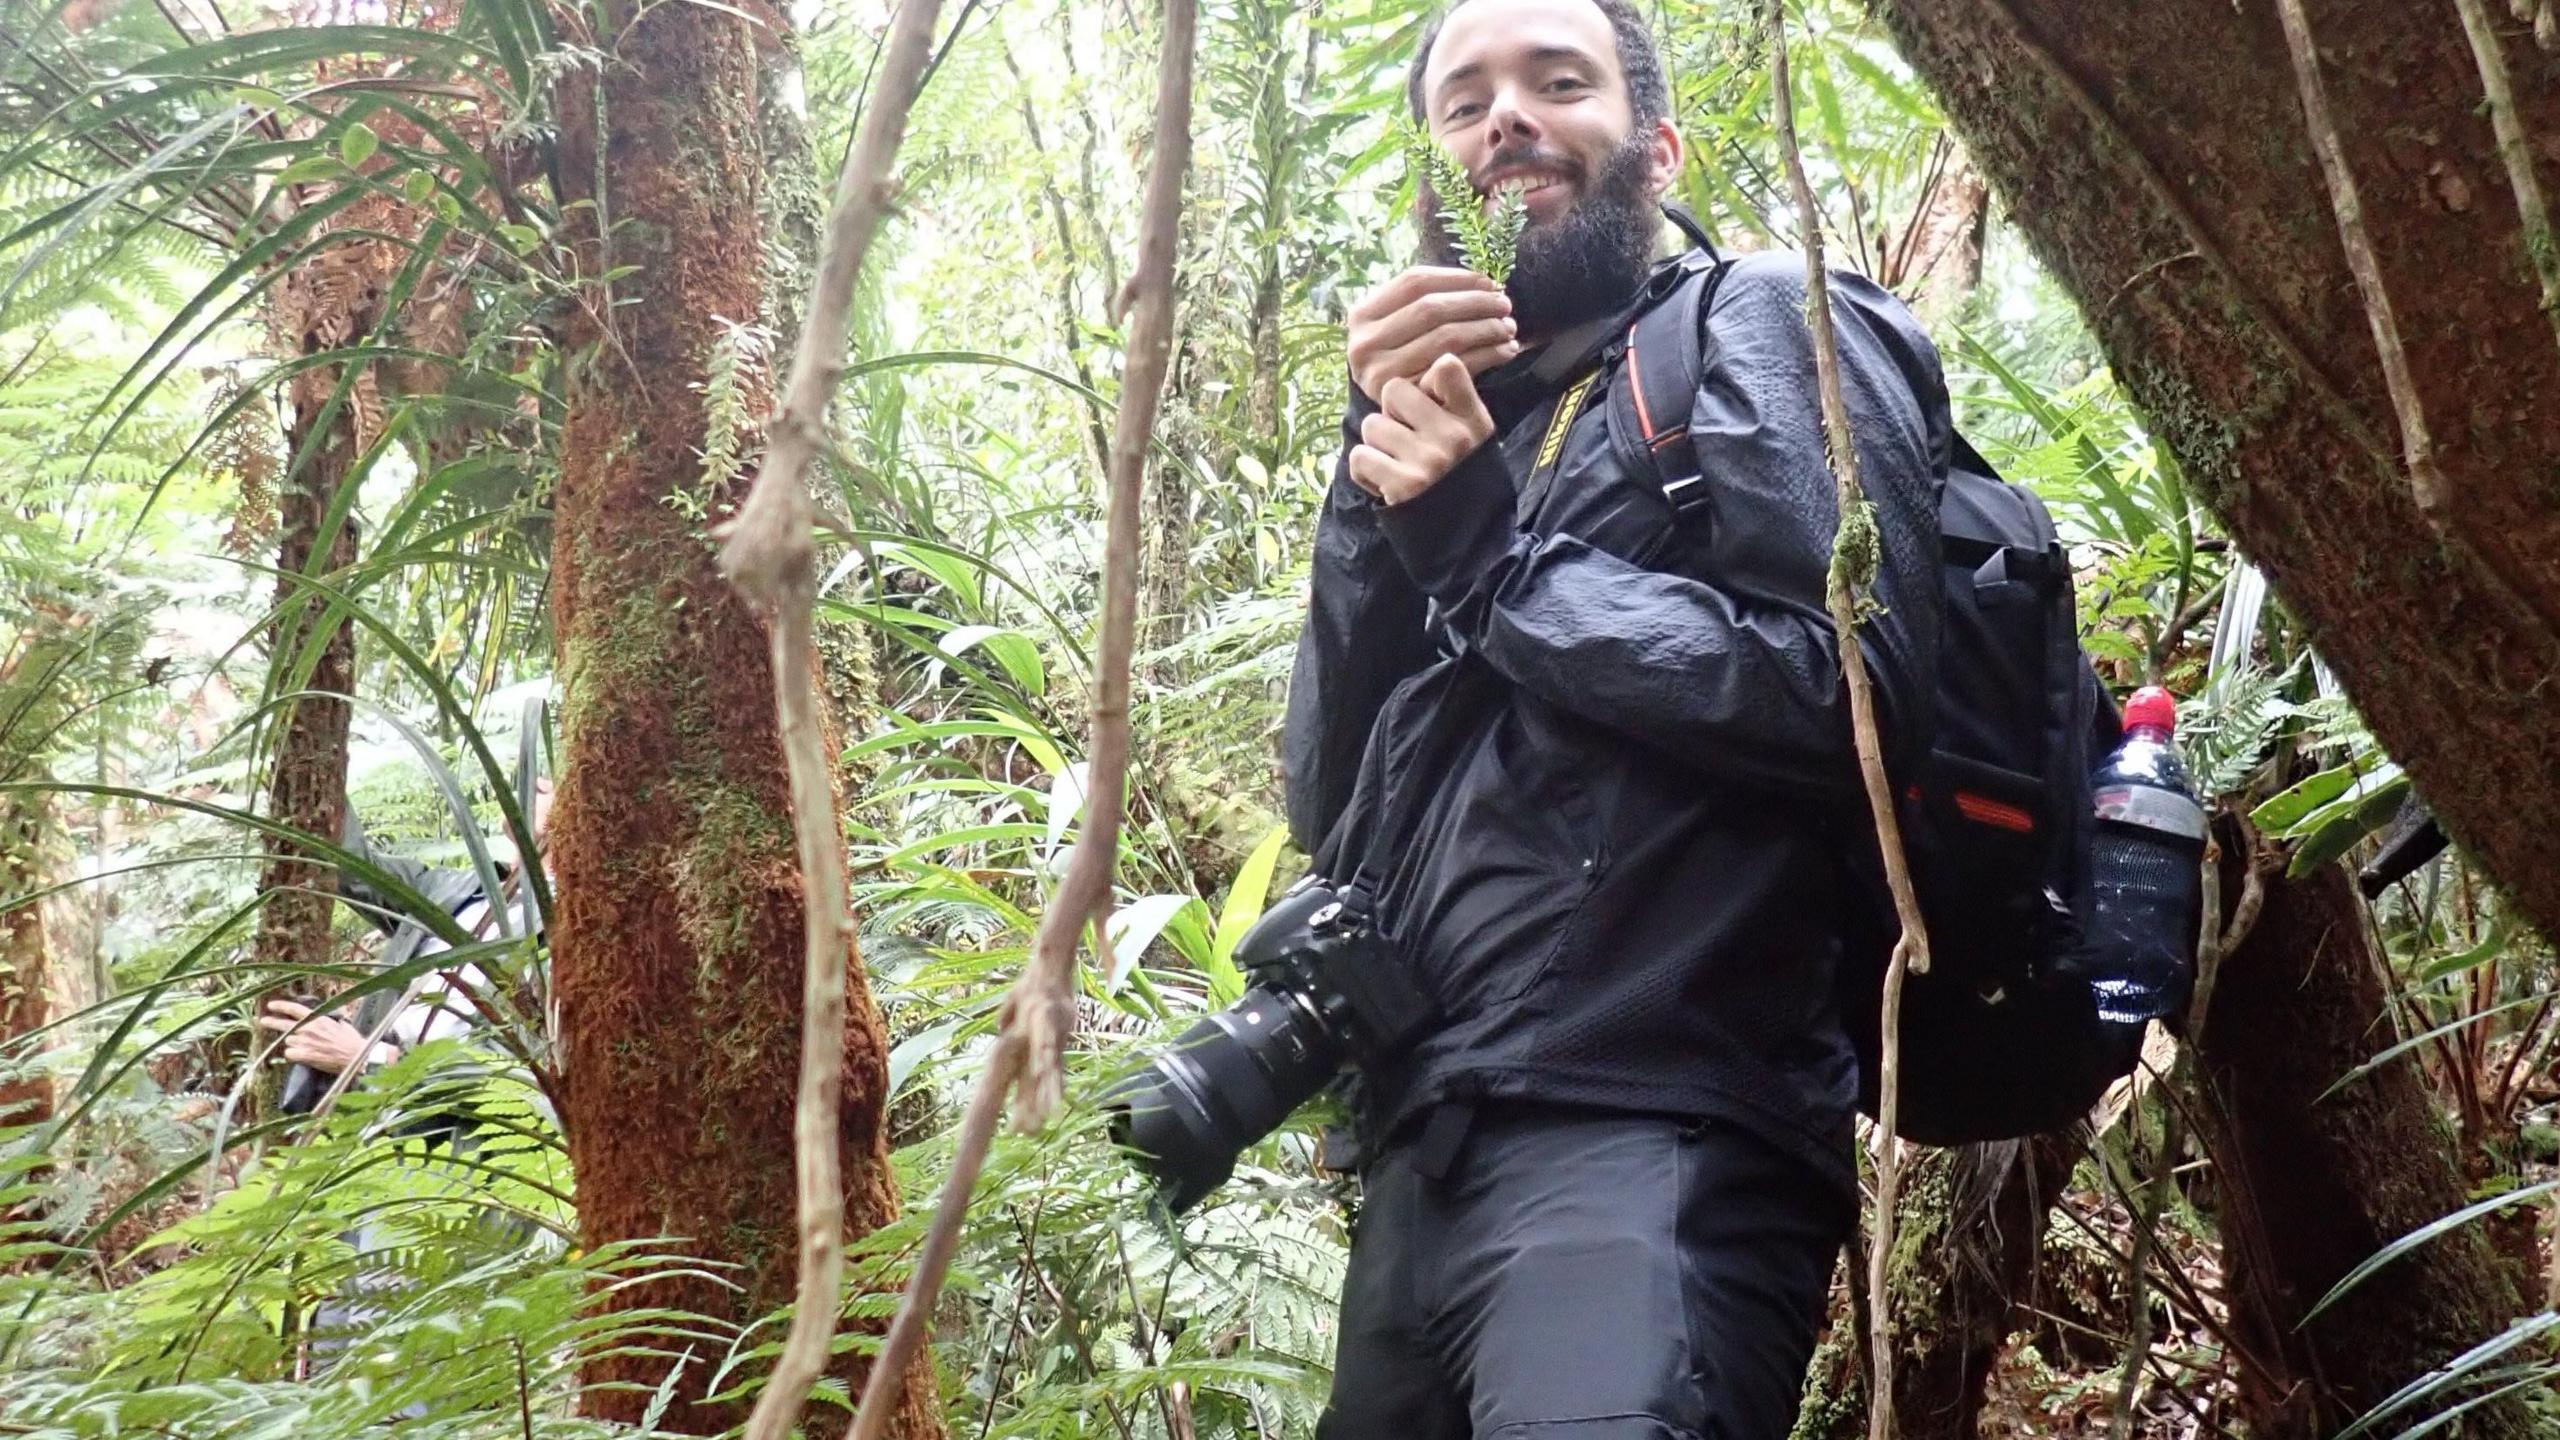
<point>677,941</point>
<point>2307,1187</point>
<point>2157,157</point>
<point>1965,1248</point>
<point>309,788</point>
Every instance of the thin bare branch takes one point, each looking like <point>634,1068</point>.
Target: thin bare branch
<point>1043,1003</point>
<point>2215,939</point>
<point>1038,1012</point>
<point>2516,149</point>
<point>769,538</point>
<point>924,1286</point>
<point>769,555</point>
<point>2154,1202</point>
<point>1854,551</point>
<point>2417,447</point>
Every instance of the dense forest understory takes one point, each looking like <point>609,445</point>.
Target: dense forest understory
<point>378,380</point>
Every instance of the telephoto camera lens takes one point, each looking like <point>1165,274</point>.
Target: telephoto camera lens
<point>1225,1083</point>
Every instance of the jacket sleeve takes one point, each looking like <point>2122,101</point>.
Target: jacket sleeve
<point>369,902</point>
<point>440,885</point>
<point>1732,664</point>
<point>1363,634</point>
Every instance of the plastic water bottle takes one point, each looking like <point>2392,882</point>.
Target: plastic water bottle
<point>2147,894</point>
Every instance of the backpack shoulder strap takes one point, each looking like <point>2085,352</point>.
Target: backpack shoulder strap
<point>1649,410</point>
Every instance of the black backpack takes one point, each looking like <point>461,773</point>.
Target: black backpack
<point>2001,1038</point>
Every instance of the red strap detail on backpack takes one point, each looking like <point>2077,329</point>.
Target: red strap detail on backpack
<point>1635,383</point>
<point>1983,811</point>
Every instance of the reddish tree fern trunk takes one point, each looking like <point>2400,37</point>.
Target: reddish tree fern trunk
<point>677,941</point>
<point>310,784</point>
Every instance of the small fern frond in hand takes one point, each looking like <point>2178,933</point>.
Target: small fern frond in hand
<point>1502,229</point>
<point>1487,243</point>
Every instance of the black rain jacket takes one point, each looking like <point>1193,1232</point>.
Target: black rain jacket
<point>1590,757</point>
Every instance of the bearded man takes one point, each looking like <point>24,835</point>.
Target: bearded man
<point>1577,741</point>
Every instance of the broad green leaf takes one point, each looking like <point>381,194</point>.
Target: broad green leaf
<point>1066,802</point>
<point>357,145</point>
<point>2490,948</point>
<point>1012,649</point>
<point>923,1045</point>
<point>1246,897</point>
<point>2452,1372</point>
<point>310,169</point>
<point>2334,829</point>
<point>2280,815</point>
<point>1133,927</point>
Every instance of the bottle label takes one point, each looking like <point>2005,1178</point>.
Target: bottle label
<point>2152,809</point>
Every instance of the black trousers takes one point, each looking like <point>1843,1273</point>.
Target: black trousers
<point>1583,1275</point>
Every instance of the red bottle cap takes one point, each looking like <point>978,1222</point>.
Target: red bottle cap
<point>2151,706</point>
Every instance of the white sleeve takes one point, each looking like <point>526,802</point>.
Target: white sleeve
<point>440,1011</point>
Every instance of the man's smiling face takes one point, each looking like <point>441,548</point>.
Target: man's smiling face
<point>1533,93</point>
<point>1528,91</point>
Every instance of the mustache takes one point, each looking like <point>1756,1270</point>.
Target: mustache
<point>1528,157</point>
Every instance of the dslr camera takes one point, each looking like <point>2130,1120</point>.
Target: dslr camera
<point>1323,986</point>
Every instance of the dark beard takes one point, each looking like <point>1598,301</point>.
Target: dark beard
<point>1586,262</point>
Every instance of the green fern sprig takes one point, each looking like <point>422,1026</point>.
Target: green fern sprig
<point>2226,732</point>
<point>1488,243</point>
<point>730,378</point>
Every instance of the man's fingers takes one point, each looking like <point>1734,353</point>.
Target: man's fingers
<point>1400,329</point>
<point>1404,403</point>
<point>1381,475</point>
<point>1436,381</point>
<point>1403,342</point>
<point>303,1052</point>
<point>276,1023</point>
<point>1412,359</point>
<point>1387,433</point>
<point>288,1008</point>
<point>1449,383</point>
<point>1414,283</point>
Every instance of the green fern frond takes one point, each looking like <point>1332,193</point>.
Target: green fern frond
<point>2225,733</point>
<point>1489,244</point>
<point>732,377</point>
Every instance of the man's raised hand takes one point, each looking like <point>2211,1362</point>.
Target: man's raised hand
<point>323,1042</point>
<point>1421,432</point>
<point>1400,329</point>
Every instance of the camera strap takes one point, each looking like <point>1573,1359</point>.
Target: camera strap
<point>1569,408</point>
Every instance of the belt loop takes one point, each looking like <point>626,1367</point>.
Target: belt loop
<point>1435,1150</point>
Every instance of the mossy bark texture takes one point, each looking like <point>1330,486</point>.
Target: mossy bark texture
<point>309,789</point>
<point>1965,1249</point>
<point>2157,157</point>
<point>2308,1186</point>
<point>677,940</point>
